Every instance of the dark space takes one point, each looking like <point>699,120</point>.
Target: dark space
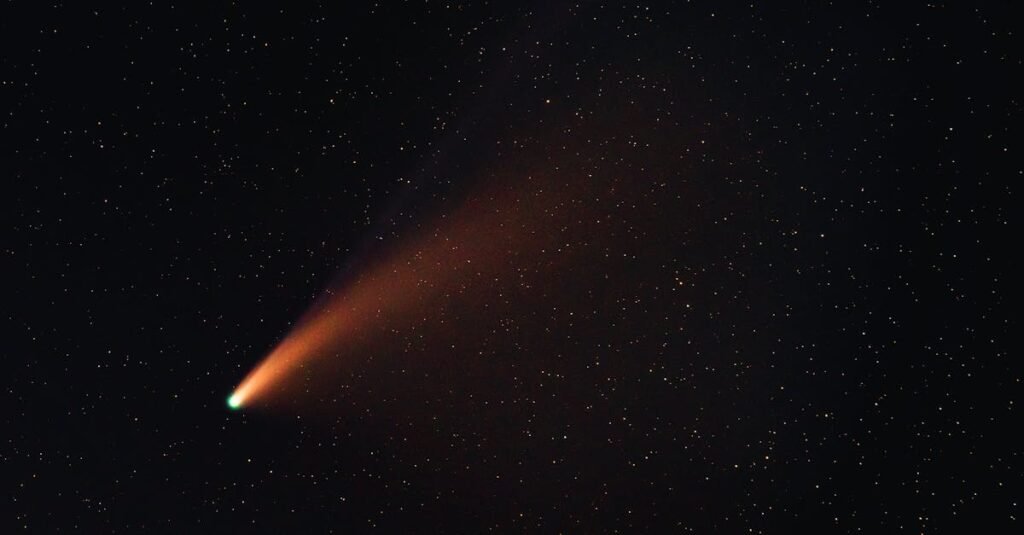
<point>693,267</point>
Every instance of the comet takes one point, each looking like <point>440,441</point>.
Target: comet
<point>465,248</point>
<point>303,343</point>
<point>522,227</point>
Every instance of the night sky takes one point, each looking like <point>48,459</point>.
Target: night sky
<point>573,267</point>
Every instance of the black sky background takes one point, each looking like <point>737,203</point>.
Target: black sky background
<point>806,329</point>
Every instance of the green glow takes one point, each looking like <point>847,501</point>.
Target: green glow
<point>234,401</point>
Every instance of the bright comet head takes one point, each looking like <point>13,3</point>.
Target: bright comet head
<point>235,401</point>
